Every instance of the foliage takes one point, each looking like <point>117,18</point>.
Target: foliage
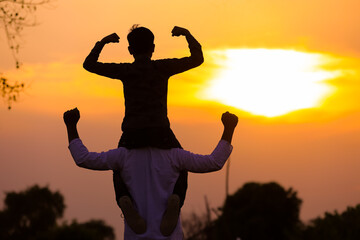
<point>255,211</point>
<point>335,226</point>
<point>91,230</point>
<point>194,226</point>
<point>268,211</point>
<point>15,15</point>
<point>197,227</point>
<point>10,92</point>
<point>33,214</point>
<point>260,211</point>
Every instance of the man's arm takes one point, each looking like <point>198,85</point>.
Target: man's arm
<point>71,119</point>
<point>229,121</point>
<point>91,62</point>
<point>186,160</point>
<point>83,158</point>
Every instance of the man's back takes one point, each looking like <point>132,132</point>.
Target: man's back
<point>150,175</point>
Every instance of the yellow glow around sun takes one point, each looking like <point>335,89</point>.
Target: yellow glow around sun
<point>269,82</point>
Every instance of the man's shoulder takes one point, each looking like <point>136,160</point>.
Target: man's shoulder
<point>170,153</point>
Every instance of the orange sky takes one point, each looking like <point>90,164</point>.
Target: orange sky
<point>315,150</point>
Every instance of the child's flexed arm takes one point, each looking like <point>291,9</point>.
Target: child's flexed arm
<point>91,62</point>
<point>112,38</point>
<point>196,58</point>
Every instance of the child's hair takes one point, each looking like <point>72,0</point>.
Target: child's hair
<point>140,39</point>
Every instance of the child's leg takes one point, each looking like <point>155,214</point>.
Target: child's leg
<point>175,202</point>
<point>119,187</point>
<point>124,199</point>
<point>181,186</point>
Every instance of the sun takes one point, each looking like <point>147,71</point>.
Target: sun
<point>269,82</point>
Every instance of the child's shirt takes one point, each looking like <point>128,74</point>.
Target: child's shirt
<point>145,84</point>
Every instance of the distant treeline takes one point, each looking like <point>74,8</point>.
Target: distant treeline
<point>255,212</point>
<point>269,212</point>
<point>33,214</point>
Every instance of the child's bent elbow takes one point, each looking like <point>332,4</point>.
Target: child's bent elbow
<point>201,60</point>
<point>86,66</point>
<point>198,61</point>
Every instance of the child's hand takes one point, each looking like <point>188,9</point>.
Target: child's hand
<point>112,38</point>
<point>71,117</point>
<point>229,120</point>
<point>179,31</point>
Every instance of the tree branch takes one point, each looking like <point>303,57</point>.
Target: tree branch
<point>14,16</point>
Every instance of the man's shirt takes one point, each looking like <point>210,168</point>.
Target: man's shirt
<point>150,175</point>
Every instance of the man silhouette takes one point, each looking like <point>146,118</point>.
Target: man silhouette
<point>150,173</point>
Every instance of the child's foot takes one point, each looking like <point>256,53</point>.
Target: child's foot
<point>171,215</point>
<point>132,217</point>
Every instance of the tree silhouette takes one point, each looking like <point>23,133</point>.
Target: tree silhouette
<point>335,226</point>
<point>15,15</point>
<point>268,212</point>
<point>91,230</point>
<point>260,211</point>
<point>33,214</point>
<point>10,91</point>
<point>31,211</point>
<point>198,226</point>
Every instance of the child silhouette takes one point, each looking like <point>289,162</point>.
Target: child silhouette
<point>145,124</point>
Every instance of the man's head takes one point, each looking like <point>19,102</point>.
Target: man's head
<point>141,40</point>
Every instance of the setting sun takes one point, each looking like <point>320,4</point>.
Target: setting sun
<point>270,82</point>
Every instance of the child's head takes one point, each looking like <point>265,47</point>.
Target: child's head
<point>141,40</point>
